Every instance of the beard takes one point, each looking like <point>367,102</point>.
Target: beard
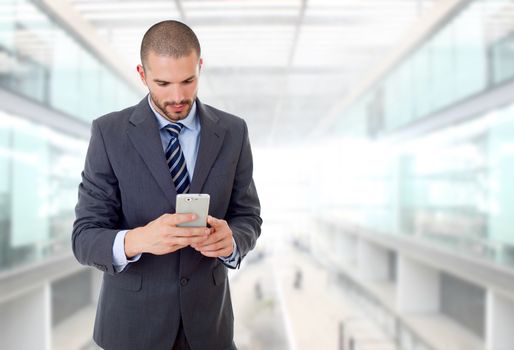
<point>161,107</point>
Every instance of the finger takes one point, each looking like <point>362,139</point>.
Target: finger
<point>214,222</point>
<point>185,241</point>
<point>175,247</point>
<point>215,246</point>
<point>212,238</point>
<point>189,231</point>
<point>176,219</point>
<point>216,254</point>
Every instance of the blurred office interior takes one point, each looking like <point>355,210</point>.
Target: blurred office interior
<point>383,141</point>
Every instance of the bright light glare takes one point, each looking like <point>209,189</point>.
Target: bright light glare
<point>124,6</point>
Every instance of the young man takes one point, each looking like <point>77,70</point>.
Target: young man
<point>166,287</point>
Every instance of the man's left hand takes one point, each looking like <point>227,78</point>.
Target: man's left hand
<point>219,242</point>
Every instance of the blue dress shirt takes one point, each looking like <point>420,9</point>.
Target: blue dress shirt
<point>189,139</point>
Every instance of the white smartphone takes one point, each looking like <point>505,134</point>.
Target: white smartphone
<point>197,203</point>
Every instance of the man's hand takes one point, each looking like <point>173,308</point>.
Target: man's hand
<point>162,236</point>
<point>219,243</point>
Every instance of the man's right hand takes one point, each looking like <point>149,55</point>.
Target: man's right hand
<point>162,236</point>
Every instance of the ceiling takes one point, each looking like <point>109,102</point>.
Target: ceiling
<point>280,64</point>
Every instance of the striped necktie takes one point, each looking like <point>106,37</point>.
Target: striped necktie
<point>175,159</point>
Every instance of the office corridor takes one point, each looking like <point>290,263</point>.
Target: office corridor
<point>289,300</point>
<point>382,136</point>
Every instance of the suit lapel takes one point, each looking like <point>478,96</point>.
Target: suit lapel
<point>211,140</point>
<point>144,135</point>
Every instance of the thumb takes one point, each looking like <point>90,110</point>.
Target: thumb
<point>214,222</point>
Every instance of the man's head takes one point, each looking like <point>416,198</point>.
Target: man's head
<point>170,67</point>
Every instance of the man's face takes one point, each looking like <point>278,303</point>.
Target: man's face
<point>173,83</point>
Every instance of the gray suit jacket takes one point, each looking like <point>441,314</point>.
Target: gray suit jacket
<point>126,184</point>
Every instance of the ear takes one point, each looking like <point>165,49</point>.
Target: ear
<point>141,72</point>
<point>200,64</point>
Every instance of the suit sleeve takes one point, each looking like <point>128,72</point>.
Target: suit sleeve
<point>98,208</point>
<point>243,214</point>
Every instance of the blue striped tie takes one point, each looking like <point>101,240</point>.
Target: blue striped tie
<point>175,159</point>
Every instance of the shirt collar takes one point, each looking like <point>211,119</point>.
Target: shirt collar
<point>189,122</point>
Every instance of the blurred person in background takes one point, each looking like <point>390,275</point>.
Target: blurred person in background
<point>166,287</point>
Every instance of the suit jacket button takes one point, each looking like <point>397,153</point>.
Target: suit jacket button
<point>184,281</point>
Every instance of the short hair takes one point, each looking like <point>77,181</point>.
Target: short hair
<point>169,38</point>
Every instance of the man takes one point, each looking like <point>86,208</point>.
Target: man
<point>166,287</point>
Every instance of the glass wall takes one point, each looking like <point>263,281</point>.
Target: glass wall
<point>40,167</point>
<point>454,186</point>
<point>467,55</point>
<point>42,61</point>
<point>40,171</point>
<point>499,33</point>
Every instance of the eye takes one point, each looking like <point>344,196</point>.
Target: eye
<point>162,83</point>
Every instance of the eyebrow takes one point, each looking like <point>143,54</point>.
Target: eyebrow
<point>164,81</point>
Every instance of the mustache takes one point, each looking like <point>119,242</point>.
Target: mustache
<point>183,102</point>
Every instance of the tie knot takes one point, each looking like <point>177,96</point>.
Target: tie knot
<point>174,129</point>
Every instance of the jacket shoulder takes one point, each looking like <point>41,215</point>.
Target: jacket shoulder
<point>226,119</point>
<point>116,118</point>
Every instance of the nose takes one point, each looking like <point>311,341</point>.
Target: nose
<point>176,93</point>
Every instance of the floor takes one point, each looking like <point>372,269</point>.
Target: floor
<point>288,300</point>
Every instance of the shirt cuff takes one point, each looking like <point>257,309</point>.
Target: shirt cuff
<point>120,261</point>
<point>231,261</point>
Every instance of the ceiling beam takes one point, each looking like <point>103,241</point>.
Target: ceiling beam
<point>72,21</point>
<point>418,34</point>
<point>180,9</point>
<point>296,35</point>
<point>283,92</point>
